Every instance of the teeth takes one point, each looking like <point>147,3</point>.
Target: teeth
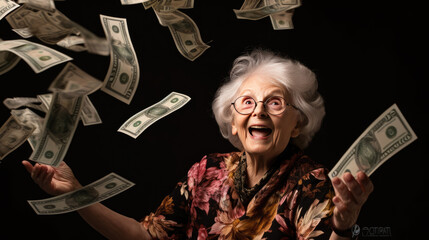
<point>257,127</point>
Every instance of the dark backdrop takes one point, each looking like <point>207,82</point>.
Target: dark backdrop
<point>367,56</point>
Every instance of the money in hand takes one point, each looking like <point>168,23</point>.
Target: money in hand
<point>98,191</point>
<point>135,125</point>
<point>386,136</point>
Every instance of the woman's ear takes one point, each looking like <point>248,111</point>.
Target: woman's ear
<point>233,128</point>
<point>296,131</point>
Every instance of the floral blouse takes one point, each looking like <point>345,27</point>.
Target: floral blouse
<point>294,203</point>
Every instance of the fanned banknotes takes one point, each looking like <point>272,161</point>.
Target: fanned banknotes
<point>386,136</point>
<point>135,125</point>
<point>98,191</point>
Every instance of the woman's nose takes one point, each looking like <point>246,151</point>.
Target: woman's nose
<point>260,110</point>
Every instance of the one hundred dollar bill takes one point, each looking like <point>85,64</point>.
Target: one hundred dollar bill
<point>7,6</point>
<point>135,125</point>
<point>59,127</point>
<point>124,72</point>
<point>12,135</point>
<point>100,190</point>
<point>386,136</point>
<point>38,56</point>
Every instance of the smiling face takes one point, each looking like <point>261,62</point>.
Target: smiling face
<point>261,134</point>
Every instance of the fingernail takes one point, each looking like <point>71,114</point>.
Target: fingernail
<point>336,181</point>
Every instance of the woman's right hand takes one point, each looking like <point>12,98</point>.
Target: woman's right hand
<point>53,180</point>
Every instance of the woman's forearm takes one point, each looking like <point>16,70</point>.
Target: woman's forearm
<point>111,224</point>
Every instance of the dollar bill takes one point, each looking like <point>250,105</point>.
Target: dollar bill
<point>282,20</point>
<point>74,43</point>
<point>73,79</point>
<point>52,27</point>
<point>7,6</point>
<point>100,190</point>
<point>89,115</point>
<point>386,136</point>
<point>12,135</point>
<point>59,127</point>
<point>24,32</point>
<point>185,32</point>
<point>38,56</point>
<point>135,125</point>
<point>123,76</point>
<point>8,61</point>
<point>130,2</point>
<point>31,119</point>
<point>264,10</point>
<point>47,5</point>
<point>48,26</point>
<point>17,102</point>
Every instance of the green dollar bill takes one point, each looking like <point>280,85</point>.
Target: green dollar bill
<point>7,6</point>
<point>282,20</point>
<point>12,135</point>
<point>72,78</point>
<point>59,127</point>
<point>100,190</point>
<point>31,119</point>
<point>185,32</point>
<point>123,75</point>
<point>265,10</point>
<point>386,136</point>
<point>38,56</point>
<point>8,61</point>
<point>135,125</point>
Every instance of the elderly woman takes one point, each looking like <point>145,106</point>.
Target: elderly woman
<point>269,109</point>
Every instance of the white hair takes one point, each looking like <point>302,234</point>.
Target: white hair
<point>296,78</point>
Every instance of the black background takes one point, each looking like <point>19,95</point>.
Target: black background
<point>367,55</point>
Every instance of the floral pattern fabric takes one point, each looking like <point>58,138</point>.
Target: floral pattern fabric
<point>295,203</point>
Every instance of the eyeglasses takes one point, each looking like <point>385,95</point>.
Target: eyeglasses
<point>274,105</point>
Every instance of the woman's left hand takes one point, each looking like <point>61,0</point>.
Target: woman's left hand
<point>350,195</point>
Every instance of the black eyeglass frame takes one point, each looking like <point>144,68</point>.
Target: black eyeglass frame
<point>264,104</point>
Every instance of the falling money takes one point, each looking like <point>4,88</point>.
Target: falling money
<point>135,125</point>
<point>123,75</point>
<point>98,191</point>
<point>38,56</point>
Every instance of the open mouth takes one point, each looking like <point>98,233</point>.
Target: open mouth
<point>260,131</point>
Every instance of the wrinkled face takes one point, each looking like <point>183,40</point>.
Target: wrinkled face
<point>261,133</point>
